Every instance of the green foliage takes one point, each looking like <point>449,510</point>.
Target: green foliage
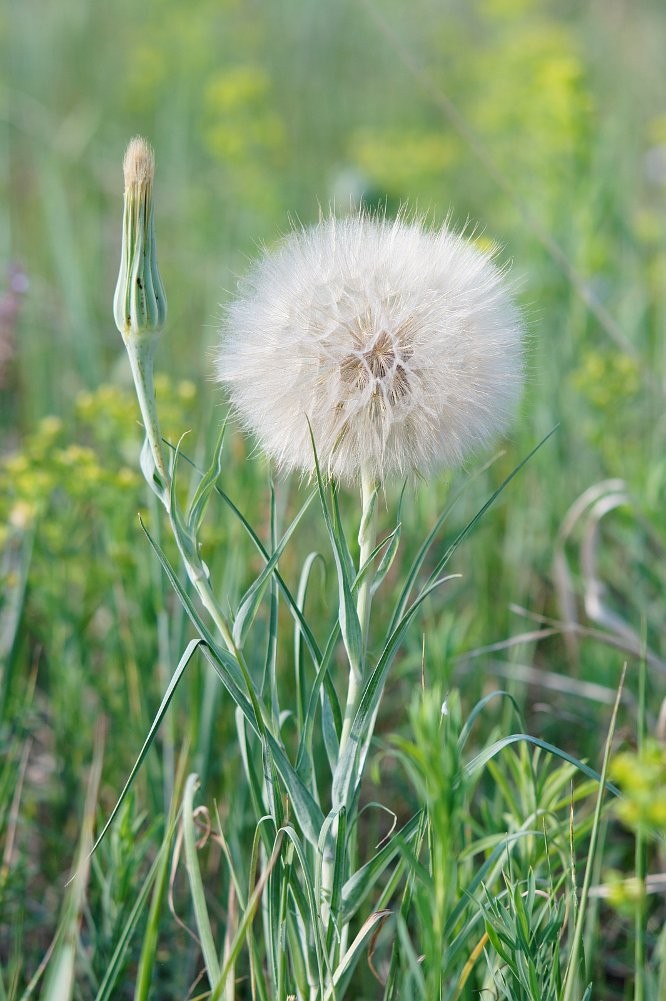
<point>258,111</point>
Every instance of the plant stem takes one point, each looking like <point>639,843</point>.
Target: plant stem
<point>140,351</point>
<point>571,976</point>
<point>367,537</point>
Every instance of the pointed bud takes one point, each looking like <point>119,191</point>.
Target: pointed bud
<point>139,303</point>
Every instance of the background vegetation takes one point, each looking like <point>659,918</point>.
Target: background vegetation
<point>542,124</point>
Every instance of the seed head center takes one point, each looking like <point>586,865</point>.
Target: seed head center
<point>380,364</point>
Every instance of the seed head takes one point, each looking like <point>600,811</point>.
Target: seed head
<point>139,303</point>
<point>402,346</point>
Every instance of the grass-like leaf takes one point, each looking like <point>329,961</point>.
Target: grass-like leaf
<point>189,652</point>
<point>308,813</point>
<point>471,525</point>
<point>484,756</point>
<point>358,886</point>
<point>572,971</point>
<point>346,778</point>
<point>196,883</point>
<point>206,485</point>
<point>249,603</point>
<point>350,627</point>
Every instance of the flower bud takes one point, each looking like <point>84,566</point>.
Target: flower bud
<point>139,303</point>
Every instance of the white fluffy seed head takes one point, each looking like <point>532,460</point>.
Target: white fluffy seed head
<point>401,346</point>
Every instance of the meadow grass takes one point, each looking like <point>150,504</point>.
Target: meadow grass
<point>542,124</point>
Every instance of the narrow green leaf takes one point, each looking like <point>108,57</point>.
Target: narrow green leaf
<point>308,813</point>
<point>305,745</point>
<point>187,544</point>
<point>336,519</point>
<point>478,709</point>
<point>358,886</point>
<point>196,883</point>
<point>572,973</point>
<point>308,635</point>
<point>425,547</point>
<point>190,649</point>
<point>293,607</point>
<point>348,962</point>
<point>270,664</point>
<point>294,610</point>
<point>338,874</point>
<point>313,915</point>
<point>144,977</point>
<point>251,775</point>
<point>350,626</point>
<point>244,925</point>
<point>345,777</point>
<point>299,669</point>
<point>411,956</point>
<point>391,542</point>
<point>492,750</point>
<point>207,484</point>
<point>391,989</point>
<point>471,525</point>
<point>251,599</point>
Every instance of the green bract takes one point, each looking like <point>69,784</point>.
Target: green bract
<point>139,303</point>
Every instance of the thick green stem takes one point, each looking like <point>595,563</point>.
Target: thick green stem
<point>140,351</point>
<point>367,537</point>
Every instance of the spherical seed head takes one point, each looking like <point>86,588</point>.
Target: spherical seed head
<point>401,346</point>
<point>139,163</point>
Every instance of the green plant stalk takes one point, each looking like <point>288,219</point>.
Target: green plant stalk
<point>367,539</point>
<point>164,660</point>
<point>570,978</point>
<point>141,352</point>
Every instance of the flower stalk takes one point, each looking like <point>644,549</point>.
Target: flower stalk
<point>140,309</point>
<point>367,538</point>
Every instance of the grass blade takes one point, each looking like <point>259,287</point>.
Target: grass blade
<point>350,627</point>
<point>190,649</point>
<point>484,756</point>
<point>249,603</point>
<point>345,777</point>
<point>571,975</point>
<point>196,883</point>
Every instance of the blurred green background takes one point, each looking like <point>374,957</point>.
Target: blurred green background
<point>541,125</point>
